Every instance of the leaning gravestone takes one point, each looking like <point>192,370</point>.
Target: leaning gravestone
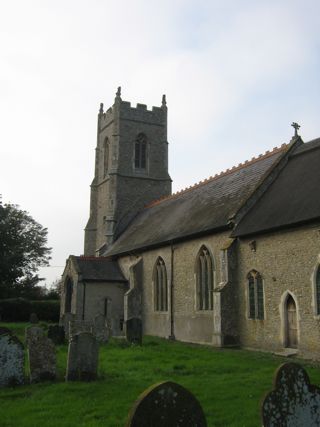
<point>294,402</point>
<point>101,328</point>
<point>42,355</point>
<point>11,359</point>
<point>56,334</point>
<point>134,330</point>
<point>167,404</point>
<point>33,318</point>
<point>83,356</point>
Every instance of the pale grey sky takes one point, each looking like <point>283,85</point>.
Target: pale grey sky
<point>236,74</point>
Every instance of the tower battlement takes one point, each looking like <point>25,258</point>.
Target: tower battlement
<point>124,110</point>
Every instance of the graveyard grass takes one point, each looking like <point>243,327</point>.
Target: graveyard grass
<point>229,384</point>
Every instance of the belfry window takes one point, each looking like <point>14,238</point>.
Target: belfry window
<point>160,286</point>
<point>317,289</point>
<point>255,292</point>
<point>204,277</point>
<point>140,152</point>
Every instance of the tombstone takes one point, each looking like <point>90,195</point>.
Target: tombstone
<point>42,355</point>
<point>101,328</point>
<point>33,318</point>
<point>167,404</point>
<point>77,326</point>
<point>56,334</point>
<point>83,356</point>
<point>11,360</point>
<point>294,402</point>
<point>134,330</point>
<point>66,319</point>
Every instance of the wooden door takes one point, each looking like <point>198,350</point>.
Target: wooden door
<point>291,311</point>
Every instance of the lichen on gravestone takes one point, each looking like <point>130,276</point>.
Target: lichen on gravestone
<point>11,360</point>
<point>294,402</point>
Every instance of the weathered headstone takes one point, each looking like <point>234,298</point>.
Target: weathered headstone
<point>134,330</point>
<point>167,404</point>
<point>56,334</point>
<point>66,319</point>
<point>83,356</point>
<point>294,402</point>
<point>101,328</point>
<point>11,360</point>
<point>33,318</point>
<point>77,326</point>
<point>42,355</point>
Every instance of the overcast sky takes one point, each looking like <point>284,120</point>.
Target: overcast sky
<point>236,74</point>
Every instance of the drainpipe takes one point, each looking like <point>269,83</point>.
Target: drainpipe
<point>83,300</point>
<point>172,337</point>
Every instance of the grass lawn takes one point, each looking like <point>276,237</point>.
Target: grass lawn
<point>228,383</point>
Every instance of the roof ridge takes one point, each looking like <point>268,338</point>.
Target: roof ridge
<point>228,171</point>
<point>92,257</point>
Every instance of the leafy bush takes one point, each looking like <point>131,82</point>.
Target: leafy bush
<point>19,310</point>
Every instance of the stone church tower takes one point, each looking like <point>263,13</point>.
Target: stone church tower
<point>131,169</point>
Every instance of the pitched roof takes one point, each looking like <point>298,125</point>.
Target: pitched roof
<point>98,269</point>
<point>293,198</point>
<point>205,207</point>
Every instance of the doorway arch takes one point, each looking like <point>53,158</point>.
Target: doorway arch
<point>290,322</point>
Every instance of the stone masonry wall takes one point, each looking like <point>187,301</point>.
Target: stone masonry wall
<point>287,261</point>
<point>190,324</point>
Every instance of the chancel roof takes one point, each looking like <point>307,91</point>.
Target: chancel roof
<point>98,269</point>
<point>292,199</point>
<point>207,206</point>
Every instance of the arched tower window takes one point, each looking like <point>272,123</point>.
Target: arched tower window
<point>68,295</point>
<point>105,156</point>
<point>255,293</point>
<point>160,286</point>
<point>204,277</point>
<point>140,152</point>
<point>317,291</point>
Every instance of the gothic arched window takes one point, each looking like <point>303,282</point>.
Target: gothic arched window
<point>68,295</point>
<point>140,152</point>
<point>204,277</point>
<point>255,293</point>
<point>317,290</point>
<point>160,286</point>
<point>105,156</point>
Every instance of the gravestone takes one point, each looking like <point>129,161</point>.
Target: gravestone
<point>33,318</point>
<point>11,359</point>
<point>83,356</point>
<point>167,404</point>
<point>101,328</point>
<point>294,402</point>
<point>56,334</point>
<point>42,355</point>
<point>66,319</point>
<point>134,330</point>
<point>77,326</point>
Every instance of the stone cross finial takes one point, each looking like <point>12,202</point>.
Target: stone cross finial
<point>118,93</point>
<point>101,108</point>
<point>164,101</point>
<point>296,128</point>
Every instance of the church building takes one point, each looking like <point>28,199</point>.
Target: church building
<point>232,261</point>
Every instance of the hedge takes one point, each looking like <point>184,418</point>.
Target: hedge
<point>19,310</point>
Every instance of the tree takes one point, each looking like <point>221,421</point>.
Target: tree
<point>22,251</point>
